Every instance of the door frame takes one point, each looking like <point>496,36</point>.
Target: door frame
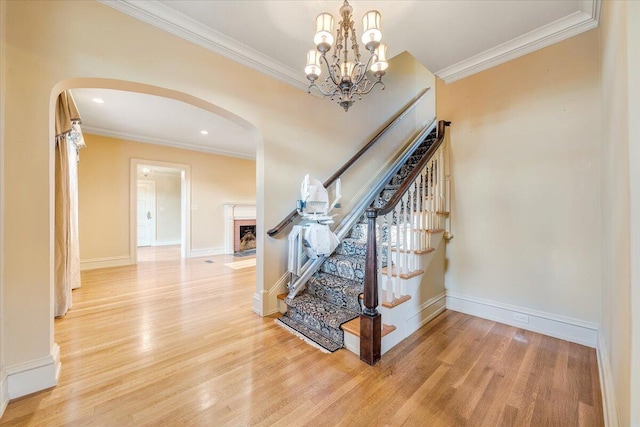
<point>185,205</point>
<point>152,185</point>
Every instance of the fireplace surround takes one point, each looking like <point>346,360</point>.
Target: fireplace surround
<point>236,215</point>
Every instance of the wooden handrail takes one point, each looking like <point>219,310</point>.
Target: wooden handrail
<point>391,123</point>
<point>417,169</point>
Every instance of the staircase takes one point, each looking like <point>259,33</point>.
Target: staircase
<point>332,296</point>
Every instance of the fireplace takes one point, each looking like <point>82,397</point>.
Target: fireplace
<point>239,223</point>
<point>244,235</point>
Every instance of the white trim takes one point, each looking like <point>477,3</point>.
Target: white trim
<point>257,302</point>
<point>166,242</point>
<point>34,375</point>
<point>417,318</point>
<point>105,262</point>
<point>607,387</point>
<point>202,252</point>
<point>272,294</point>
<point>426,305</point>
<point>178,24</point>
<point>167,143</point>
<point>561,29</point>
<point>185,205</point>
<point>232,212</point>
<point>561,327</point>
<point>4,391</point>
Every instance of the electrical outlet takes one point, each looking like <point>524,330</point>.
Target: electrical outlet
<point>521,317</point>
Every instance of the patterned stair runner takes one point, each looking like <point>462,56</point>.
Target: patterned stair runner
<point>332,295</point>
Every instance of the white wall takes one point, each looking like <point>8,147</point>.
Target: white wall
<point>620,72</point>
<point>525,155</point>
<point>168,208</point>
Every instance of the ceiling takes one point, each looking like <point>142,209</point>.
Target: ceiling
<point>452,38</point>
<point>157,120</point>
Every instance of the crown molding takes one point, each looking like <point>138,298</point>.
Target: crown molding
<point>167,143</point>
<point>169,20</point>
<point>571,25</point>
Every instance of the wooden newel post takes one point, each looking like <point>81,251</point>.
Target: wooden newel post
<point>370,319</point>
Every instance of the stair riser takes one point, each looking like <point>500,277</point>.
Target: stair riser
<point>316,324</point>
<point>349,268</point>
<point>335,297</point>
<point>414,261</point>
<point>359,232</point>
<point>421,240</point>
<point>359,249</point>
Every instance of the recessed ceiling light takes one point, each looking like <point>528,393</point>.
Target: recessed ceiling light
<point>98,100</point>
<point>204,132</point>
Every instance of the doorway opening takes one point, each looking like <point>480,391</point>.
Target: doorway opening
<point>160,205</point>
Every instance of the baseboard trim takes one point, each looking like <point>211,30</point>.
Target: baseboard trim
<point>425,306</point>
<point>561,327</point>
<point>4,391</point>
<point>272,295</point>
<point>167,242</point>
<point>106,262</point>
<point>34,375</point>
<point>197,253</point>
<point>257,303</point>
<point>609,408</point>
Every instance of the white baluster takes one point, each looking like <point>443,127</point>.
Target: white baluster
<point>405,230</point>
<point>410,200</point>
<point>396,288</point>
<point>380,249</point>
<point>389,281</point>
<point>443,195</point>
<point>423,209</point>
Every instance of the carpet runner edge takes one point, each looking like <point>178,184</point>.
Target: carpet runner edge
<point>308,335</point>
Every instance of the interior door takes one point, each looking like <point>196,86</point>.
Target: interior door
<point>146,213</point>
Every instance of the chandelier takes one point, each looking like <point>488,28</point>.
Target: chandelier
<point>347,77</point>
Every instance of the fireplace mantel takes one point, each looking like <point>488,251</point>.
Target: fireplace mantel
<point>234,212</point>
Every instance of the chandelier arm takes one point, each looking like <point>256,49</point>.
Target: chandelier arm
<point>333,79</point>
<point>369,62</point>
<point>319,89</point>
<point>377,82</point>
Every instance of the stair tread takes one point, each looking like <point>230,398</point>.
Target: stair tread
<point>396,301</point>
<point>431,230</point>
<point>407,275</point>
<point>322,310</point>
<point>415,251</point>
<point>353,327</point>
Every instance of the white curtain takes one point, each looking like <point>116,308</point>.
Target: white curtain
<point>66,247</point>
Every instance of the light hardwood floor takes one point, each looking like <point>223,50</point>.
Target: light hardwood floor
<point>174,342</point>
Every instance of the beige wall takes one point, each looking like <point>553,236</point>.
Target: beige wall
<point>620,114</point>
<point>104,201</point>
<point>525,146</point>
<point>100,47</point>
